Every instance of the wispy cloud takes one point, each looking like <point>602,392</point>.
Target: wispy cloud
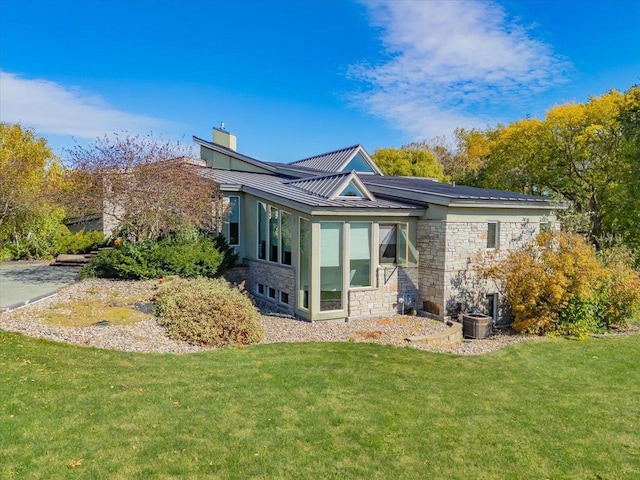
<point>52,108</point>
<point>451,64</point>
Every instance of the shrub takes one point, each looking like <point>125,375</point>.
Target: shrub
<point>183,256</point>
<point>230,256</point>
<point>558,285</point>
<point>81,242</point>
<point>208,312</point>
<point>36,237</point>
<point>622,287</point>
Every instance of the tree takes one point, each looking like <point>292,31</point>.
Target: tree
<point>473,147</point>
<point>415,159</point>
<point>30,181</point>
<point>146,187</point>
<point>24,162</point>
<point>625,211</point>
<point>577,153</point>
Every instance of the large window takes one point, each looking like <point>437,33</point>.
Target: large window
<point>393,243</point>
<point>262,231</point>
<point>360,255</point>
<point>330,266</point>
<point>304,267</point>
<point>234,221</point>
<point>274,234</point>
<point>285,230</point>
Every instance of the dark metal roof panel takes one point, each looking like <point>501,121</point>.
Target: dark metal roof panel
<point>448,191</point>
<point>328,162</point>
<point>322,186</point>
<point>280,187</point>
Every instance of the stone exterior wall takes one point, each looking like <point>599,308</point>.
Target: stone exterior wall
<point>448,252</point>
<point>280,277</point>
<point>431,245</point>
<point>392,283</point>
<point>237,275</point>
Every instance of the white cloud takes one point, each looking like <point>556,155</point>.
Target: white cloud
<point>56,109</point>
<point>451,64</point>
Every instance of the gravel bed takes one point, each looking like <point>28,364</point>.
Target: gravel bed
<point>147,336</point>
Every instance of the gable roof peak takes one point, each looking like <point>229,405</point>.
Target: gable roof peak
<point>338,160</point>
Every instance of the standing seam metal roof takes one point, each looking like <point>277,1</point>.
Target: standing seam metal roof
<point>279,187</point>
<point>328,162</point>
<point>323,186</point>
<point>446,190</point>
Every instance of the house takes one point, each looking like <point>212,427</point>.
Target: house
<point>330,237</point>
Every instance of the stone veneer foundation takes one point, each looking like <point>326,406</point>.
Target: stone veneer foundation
<point>271,275</point>
<point>392,283</point>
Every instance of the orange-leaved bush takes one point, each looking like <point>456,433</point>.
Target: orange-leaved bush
<point>557,284</point>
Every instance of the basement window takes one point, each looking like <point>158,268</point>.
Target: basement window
<point>284,298</point>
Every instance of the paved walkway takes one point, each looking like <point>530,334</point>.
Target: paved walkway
<point>25,282</point>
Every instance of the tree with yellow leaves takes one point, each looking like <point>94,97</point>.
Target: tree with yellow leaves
<point>557,284</point>
<point>30,180</point>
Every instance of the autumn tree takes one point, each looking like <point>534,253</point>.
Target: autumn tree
<point>31,178</point>
<point>25,159</point>
<point>625,210</point>
<point>577,153</point>
<point>147,188</point>
<point>415,159</point>
<point>472,154</point>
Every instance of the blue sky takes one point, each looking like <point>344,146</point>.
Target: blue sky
<point>296,78</point>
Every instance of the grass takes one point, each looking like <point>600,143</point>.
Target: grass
<point>553,409</point>
<point>87,311</point>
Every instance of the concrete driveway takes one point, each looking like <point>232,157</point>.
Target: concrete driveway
<point>22,283</point>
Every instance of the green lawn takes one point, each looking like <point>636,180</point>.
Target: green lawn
<point>553,409</point>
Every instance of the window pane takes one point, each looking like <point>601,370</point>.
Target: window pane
<point>492,230</point>
<point>330,266</point>
<point>305,263</point>
<point>403,243</point>
<point>234,221</point>
<point>359,164</point>
<point>234,212</point>
<point>286,238</point>
<point>360,254</point>
<point>388,243</point>
<point>262,231</point>
<point>351,191</point>
<point>274,234</point>
<point>284,297</point>
<point>490,305</point>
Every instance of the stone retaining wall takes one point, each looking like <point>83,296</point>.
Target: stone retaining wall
<point>452,335</point>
